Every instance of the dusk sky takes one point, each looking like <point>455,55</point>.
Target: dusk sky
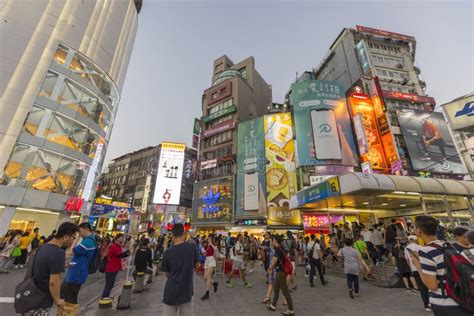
<point>177,41</point>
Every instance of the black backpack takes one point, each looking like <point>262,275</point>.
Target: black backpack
<point>390,233</point>
<point>95,261</point>
<point>35,243</point>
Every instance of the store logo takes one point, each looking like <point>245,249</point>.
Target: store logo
<point>74,204</point>
<point>251,188</point>
<point>467,110</point>
<point>325,128</point>
<point>210,200</point>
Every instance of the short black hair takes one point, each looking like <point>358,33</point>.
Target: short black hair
<point>393,220</point>
<point>349,241</point>
<point>85,225</point>
<point>426,224</point>
<point>278,239</point>
<point>66,229</point>
<point>313,236</point>
<point>36,230</point>
<point>144,242</point>
<point>178,230</point>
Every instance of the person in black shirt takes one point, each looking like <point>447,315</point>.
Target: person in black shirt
<point>143,259</point>
<point>462,244</point>
<point>179,262</point>
<point>280,279</point>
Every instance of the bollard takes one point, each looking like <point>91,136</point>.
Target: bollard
<point>105,307</point>
<point>139,283</point>
<point>126,296</point>
<point>68,309</point>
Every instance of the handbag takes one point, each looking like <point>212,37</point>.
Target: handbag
<point>16,252</point>
<point>27,295</point>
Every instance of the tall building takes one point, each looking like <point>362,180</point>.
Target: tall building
<point>383,65</point>
<point>63,68</point>
<point>238,94</point>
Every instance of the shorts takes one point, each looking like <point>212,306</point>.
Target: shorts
<point>210,263</point>
<point>238,265</point>
<point>253,257</point>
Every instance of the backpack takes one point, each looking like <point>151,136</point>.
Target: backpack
<point>287,267</point>
<point>35,243</point>
<point>459,277</point>
<point>390,233</point>
<point>95,261</point>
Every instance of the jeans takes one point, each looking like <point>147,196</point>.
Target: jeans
<point>109,283</point>
<point>424,293</point>
<point>439,142</point>
<point>179,310</point>
<point>449,311</point>
<point>69,292</point>
<point>316,263</point>
<point>353,282</point>
<point>5,263</point>
<point>280,283</point>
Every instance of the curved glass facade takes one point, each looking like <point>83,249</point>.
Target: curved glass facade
<point>226,74</point>
<point>66,129</point>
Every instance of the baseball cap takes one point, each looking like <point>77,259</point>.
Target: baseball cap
<point>459,231</point>
<point>412,237</point>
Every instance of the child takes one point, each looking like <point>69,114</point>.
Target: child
<point>352,262</point>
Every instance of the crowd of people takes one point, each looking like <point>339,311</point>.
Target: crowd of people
<point>416,249</point>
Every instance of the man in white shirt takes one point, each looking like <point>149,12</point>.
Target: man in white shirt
<point>415,279</point>
<point>378,243</point>
<point>238,253</point>
<point>368,235</point>
<point>315,256</point>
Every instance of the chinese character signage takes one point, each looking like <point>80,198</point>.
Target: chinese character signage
<point>282,216</point>
<point>323,127</point>
<point>251,187</point>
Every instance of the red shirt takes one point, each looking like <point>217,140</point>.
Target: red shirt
<point>209,251</point>
<point>114,262</point>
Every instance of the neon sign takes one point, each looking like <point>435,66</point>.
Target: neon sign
<point>210,200</point>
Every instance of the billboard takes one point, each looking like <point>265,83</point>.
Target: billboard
<point>323,127</point>
<point>251,187</point>
<point>384,33</point>
<point>196,132</point>
<point>170,174</point>
<point>460,114</point>
<point>429,142</point>
<point>364,58</point>
<point>213,200</point>
<point>279,152</point>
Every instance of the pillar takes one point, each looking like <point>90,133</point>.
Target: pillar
<point>6,219</point>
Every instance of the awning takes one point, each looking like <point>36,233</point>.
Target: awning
<point>356,182</point>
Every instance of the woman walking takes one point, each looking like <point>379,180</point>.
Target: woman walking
<point>352,262</point>
<point>25,241</point>
<point>6,258</point>
<point>270,277</point>
<point>114,263</point>
<point>210,265</point>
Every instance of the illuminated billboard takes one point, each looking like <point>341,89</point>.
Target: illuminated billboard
<point>213,200</point>
<point>429,142</point>
<point>323,127</point>
<point>170,174</point>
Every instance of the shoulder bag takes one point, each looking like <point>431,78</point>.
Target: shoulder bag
<point>27,295</point>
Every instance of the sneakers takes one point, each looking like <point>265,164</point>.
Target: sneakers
<point>306,275</point>
<point>205,297</point>
<point>21,266</point>
<point>427,309</point>
<point>426,157</point>
<point>215,284</point>
<point>248,285</point>
<point>351,294</point>
<point>229,284</point>
<point>445,165</point>
<point>271,307</point>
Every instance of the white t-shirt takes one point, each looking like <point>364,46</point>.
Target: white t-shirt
<point>368,236</point>
<point>414,247</point>
<point>239,248</point>
<point>378,238</point>
<point>316,247</point>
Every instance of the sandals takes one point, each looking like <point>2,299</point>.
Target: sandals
<point>271,307</point>
<point>266,300</point>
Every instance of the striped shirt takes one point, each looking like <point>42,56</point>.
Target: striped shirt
<point>432,263</point>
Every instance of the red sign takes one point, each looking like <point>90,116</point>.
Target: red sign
<point>74,204</point>
<point>219,128</point>
<point>408,97</point>
<point>383,33</point>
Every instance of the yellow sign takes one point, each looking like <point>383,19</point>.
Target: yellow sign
<point>102,200</point>
<point>334,185</point>
<point>282,216</point>
<point>173,146</point>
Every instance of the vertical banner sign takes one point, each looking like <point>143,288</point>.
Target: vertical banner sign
<point>323,127</point>
<point>170,174</point>
<point>250,168</point>
<point>279,151</point>
<point>196,132</point>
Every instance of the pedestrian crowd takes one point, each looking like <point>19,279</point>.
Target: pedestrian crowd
<point>440,272</point>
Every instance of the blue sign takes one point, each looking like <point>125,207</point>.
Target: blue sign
<point>210,200</point>
<point>467,110</point>
<point>107,209</point>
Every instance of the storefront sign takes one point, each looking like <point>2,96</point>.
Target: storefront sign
<point>111,211</point>
<point>103,200</point>
<point>208,164</point>
<point>210,200</point>
<point>363,56</point>
<point>219,128</point>
<point>460,114</point>
<point>312,220</point>
<point>220,113</point>
<point>74,204</point>
<point>170,174</point>
<point>383,33</point>
<point>313,180</point>
<point>323,127</point>
<point>213,200</point>
<point>282,216</point>
<point>429,142</point>
<point>360,134</point>
<point>408,97</point>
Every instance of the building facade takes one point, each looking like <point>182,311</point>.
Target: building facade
<point>238,94</point>
<point>63,68</point>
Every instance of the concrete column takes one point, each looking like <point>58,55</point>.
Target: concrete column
<point>6,219</point>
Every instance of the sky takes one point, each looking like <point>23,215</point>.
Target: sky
<point>177,42</point>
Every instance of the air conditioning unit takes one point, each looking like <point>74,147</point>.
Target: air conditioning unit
<point>399,65</point>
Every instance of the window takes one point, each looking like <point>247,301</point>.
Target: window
<point>48,84</point>
<point>214,96</point>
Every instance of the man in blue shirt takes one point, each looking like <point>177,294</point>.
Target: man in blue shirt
<point>78,271</point>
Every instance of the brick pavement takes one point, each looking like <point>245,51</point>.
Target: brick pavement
<point>330,300</point>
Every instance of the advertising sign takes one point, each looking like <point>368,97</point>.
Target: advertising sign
<point>323,127</point>
<point>170,174</point>
<point>279,151</point>
<point>408,97</point>
<point>429,142</point>
<point>362,104</point>
<point>224,126</point>
<point>363,57</point>
<point>282,216</point>
<point>213,200</point>
<point>460,114</point>
<point>383,33</point>
<point>196,132</point>
<point>220,113</point>
<point>315,220</point>
<point>208,164</point>
<point>251,187</point>
<point>360,134</point>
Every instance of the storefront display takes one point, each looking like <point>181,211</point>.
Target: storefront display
<point>214,201</point>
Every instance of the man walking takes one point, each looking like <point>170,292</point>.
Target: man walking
<point>315,256</point>
<point>413,247</point>
<point>79,266</point>
<point>238,252</point>
<point>47,266</point>
<point>178,263</point>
